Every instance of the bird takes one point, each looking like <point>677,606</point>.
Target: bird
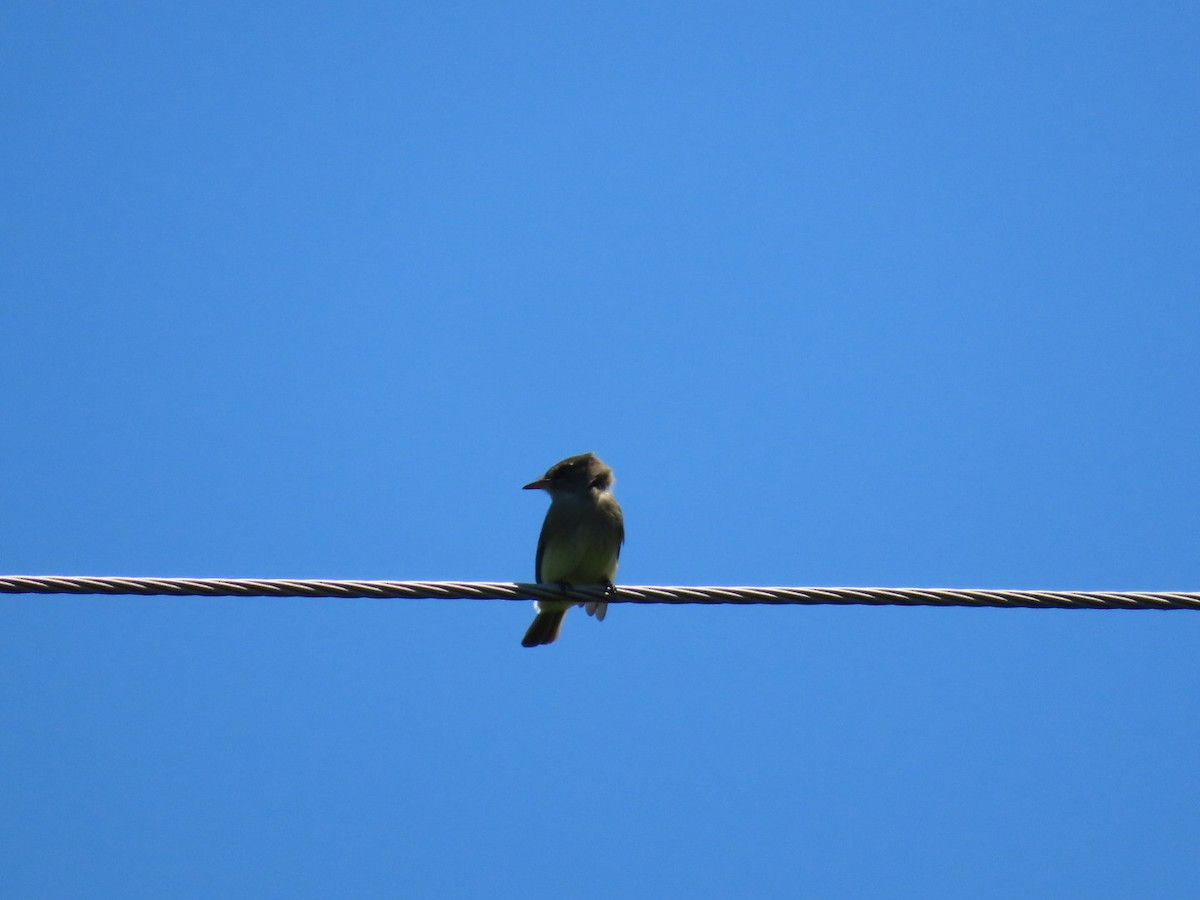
<point>580,541</point>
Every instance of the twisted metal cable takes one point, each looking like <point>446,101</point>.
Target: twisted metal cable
<point>504,590</point>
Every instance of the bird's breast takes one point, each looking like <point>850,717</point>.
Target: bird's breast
<point>582,543</point>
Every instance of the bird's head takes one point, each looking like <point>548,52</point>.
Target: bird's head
<point>575,475</point>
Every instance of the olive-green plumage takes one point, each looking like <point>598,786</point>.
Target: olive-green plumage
<point>580,541</point>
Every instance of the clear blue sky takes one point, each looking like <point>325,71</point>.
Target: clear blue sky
<point>855,293</point>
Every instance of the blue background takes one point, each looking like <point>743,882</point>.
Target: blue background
<point>861,293</point>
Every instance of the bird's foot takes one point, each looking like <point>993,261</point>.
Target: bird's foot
<point>610,589</point>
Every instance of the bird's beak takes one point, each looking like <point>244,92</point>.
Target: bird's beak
<point>539,485</point>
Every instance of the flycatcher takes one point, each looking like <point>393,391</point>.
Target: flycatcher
<point>580,540</point>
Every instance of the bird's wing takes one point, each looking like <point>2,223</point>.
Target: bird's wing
<point>541,551</point>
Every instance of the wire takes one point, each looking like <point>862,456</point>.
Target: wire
<point>503,590</point>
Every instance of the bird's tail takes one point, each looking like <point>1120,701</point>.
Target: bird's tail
<point>544,628</point>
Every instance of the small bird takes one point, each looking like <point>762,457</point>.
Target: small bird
<point>580,540</point>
